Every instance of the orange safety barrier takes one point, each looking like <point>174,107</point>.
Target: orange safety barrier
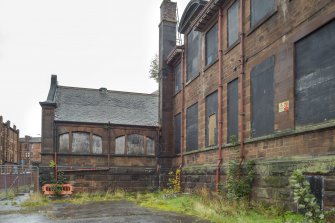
<point>67,189</point>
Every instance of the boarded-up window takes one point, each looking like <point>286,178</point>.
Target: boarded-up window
<point>150,146</point>
<point>135,144</point>
<point>177,73</point>
<point>212,130</point>
<point>317,186</point>
<point>212,44</point>
<point>177,133</point>
<point>63,144</point>
<point>81,142</point>
<point>315,76</point>
<point>233,111</point>
<point>262,82</point>
<point>211,119</point>
<point>261,9</point>
<point>120,143</point>
<point>192,54</point>
<point>233,23</point>
<point>97,144</point>
<point>192,127</point>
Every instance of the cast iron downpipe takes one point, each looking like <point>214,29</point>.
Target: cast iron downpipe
<point>241,80</point>
<point>55,145</point>
<point>182,109</point>
<point>109,143</point>
<point>218,163</point>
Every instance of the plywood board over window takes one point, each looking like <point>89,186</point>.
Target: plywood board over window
<point>192,55</point>
<point>212,45</point>
<point>81,142</point>
<point>64,143</point>
<point>192,127</point>
<point>120,143</point>
<point>260,9</point>
<point>97,144</point>
<point>232,111</point>
<point>177,77</point>
<point>211,119</point>
<point>150,146</point>
<point>233,23</point>
<point>212,129</point>
<point>135,144</point>
<point>177,133</point>
<point>262,87</point>
<point>315,76</point>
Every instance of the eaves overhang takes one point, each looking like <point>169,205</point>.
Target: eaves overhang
<point>175,54</point>
<point>191,11</point>
<point>207,14</point>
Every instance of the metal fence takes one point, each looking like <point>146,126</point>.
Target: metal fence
<point>18,179</point>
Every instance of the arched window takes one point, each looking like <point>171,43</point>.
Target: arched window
<point>120,143</point>
<point>97,144</point>
<point>63,143</point>
<point>150,146</point>
<point>81,142</point>
<point>135,144</point>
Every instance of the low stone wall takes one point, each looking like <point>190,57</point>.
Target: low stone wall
<point>127,178</point>
<point>271,184</point>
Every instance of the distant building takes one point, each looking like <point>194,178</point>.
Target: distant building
<point>30,150</point>
<point>9,143</point>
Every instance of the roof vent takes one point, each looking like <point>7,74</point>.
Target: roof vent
<point>103,90</point>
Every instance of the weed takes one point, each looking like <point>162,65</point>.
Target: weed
<point>239,186</point>
<point>36,200</point>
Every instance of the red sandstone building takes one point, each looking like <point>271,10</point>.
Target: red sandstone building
<point>254,80</point>
<point>30,148</point>
<point>97,132</point>
<point>9,144</point>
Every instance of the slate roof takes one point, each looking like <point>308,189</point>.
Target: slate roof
<point>31,140</point>
<point>103,106</point>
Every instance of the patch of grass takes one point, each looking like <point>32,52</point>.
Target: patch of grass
<point>36,200</point>
<point>82,198</point>
<point>203,204</point>
<point>11,194</point>
<point>217,209</point>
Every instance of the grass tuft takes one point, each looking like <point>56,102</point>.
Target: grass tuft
<point>36,200</point>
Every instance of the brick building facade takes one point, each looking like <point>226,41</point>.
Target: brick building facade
<point>30,150</point>
<point>9,143</point>
<point>101,139</point>
<point>254,80</point>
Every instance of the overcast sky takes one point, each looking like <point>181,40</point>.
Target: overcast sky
<point>87,43</point>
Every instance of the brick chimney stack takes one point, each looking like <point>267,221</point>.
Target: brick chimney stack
<point>168,11</point>
<point>167,42</point>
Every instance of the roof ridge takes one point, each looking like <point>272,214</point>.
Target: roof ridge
<point>115,91</point>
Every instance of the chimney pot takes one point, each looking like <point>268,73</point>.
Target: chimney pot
<point>103,90</point>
